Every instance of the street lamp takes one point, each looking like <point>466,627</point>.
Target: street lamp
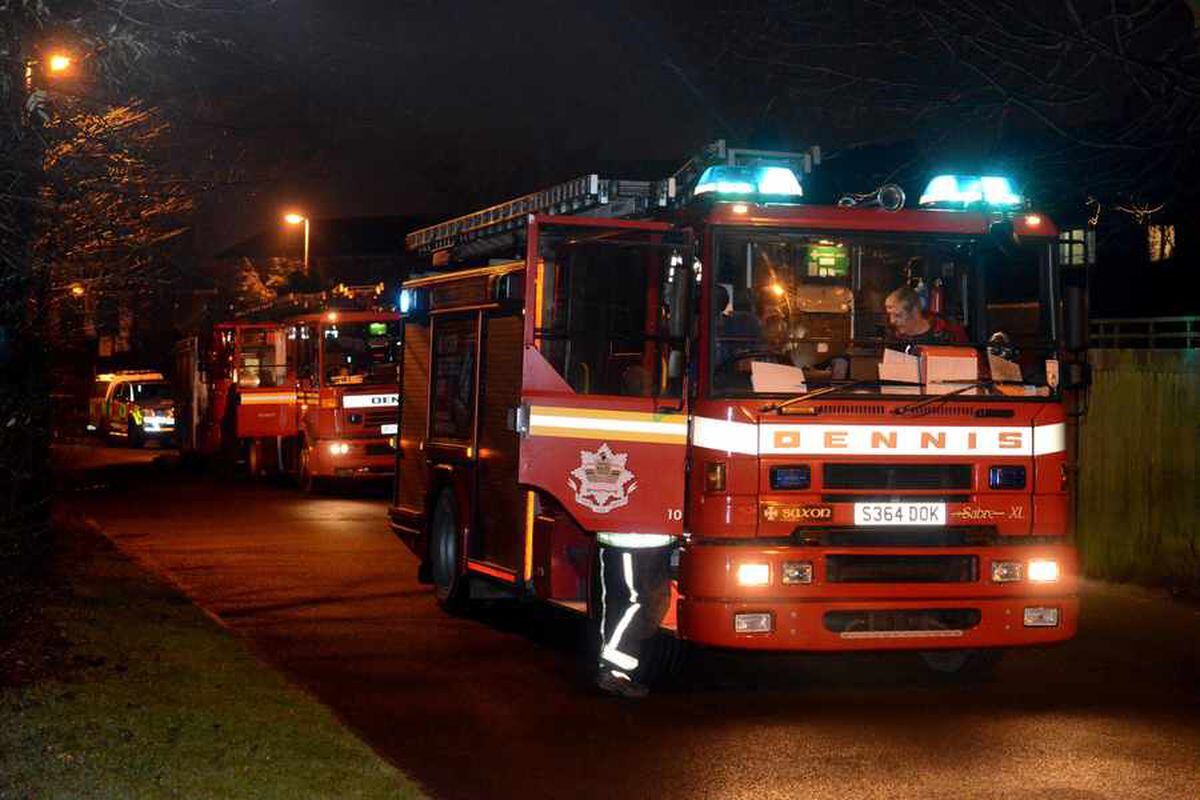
<point>59,63</point>
<point>56,64</point>
<point>295,219</point>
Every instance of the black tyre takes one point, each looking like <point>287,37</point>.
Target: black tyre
<point>309,483</point>
<point>962,663</point>
<point>445,555</point>
<point>260,457</point>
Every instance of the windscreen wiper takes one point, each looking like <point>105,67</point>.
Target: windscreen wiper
<point>815,393</point>
<point>941,398</point>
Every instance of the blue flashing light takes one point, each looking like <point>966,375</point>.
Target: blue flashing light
<point>405,300</point>
<point>964,191</point>
<point>723,179</point>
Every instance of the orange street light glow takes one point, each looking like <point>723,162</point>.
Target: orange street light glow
<point>293,218</point>
<point>77,289</point>
<point>59,63</point>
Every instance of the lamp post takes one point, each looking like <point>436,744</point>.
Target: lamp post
<point>295,219</point>
<point>55,64</point>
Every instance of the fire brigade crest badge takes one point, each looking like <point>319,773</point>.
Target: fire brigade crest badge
<point>601,482</point>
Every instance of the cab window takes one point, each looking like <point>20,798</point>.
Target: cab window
<point>611,310</point>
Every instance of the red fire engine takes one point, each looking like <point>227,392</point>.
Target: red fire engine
<point>709,357</point>
<point>346,369</point>
<point>312,394</point>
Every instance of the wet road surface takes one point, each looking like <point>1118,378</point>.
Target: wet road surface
<point>496,704</point>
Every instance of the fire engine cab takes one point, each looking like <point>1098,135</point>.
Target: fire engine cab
<point>713,358</point>
<point>346,367</point>
<point>239,393</point>
<point>307,388</point>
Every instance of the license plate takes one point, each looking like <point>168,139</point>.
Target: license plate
<point>899,513</point>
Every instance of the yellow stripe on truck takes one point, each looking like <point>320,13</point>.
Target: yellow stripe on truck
<point>620,426</point>
<point>262,398</point>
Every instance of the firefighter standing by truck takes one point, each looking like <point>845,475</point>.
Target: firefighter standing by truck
<point>635,590</point>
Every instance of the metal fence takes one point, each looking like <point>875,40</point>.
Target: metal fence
<point>1158,333</point>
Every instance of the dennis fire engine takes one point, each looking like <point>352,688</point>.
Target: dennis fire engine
<point>312,394</point>
<point>346,367</point>
<point>709,357</point>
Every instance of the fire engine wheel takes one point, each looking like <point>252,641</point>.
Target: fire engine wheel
<point>254,458</point>
<point>260,457</point>
<point>962,663</point>
<point>445,555</point>
<point>309,483</point>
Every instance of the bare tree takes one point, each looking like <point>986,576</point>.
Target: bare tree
<point>1105,92</point>
<point>96,186</point>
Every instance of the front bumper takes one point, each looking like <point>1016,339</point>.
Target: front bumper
<point>813,616</point>
<point>365,459</point>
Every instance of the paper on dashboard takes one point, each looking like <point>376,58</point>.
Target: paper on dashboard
<point>770,378</point>
<point>899,367</point>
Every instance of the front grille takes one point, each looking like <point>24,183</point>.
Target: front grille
<point>897,476</point>
<point>897,537</point>
<point>926,619</point>
<point>850,409</point>
<point>379,450</point>
<point>901,569</point>
<point>895,498</point>
<point>374,417</point>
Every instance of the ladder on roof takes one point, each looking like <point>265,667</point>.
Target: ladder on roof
<point>588,193</point>
<point>594,195</point>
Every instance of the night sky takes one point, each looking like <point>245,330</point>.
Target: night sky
<point>431,109</point>
<point>427,110</point>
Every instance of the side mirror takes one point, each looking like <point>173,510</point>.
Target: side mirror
<point>1075,314</point>
<point>1077,376</point>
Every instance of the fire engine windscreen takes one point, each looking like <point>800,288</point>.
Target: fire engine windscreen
<point>361,352</point>
<point>261,361</point>
<point>811,310</point>
<point>613,309</point>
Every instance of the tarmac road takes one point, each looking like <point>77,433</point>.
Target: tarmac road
<point>496,706</point>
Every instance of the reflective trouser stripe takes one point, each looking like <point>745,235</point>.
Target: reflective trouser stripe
<point>610,651</point>
<point>635,541</point>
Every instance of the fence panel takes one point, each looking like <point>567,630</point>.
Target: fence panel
<point>1139,501</point>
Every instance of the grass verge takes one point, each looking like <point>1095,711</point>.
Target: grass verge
<point>116,686</point>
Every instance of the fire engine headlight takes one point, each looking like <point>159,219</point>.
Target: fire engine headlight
<point>753,574</point>
<point>338,448</point>
<point>1043,570</point>
<point>797,572</point>
<point>1006,571</point>
<point>758,622</point>
<point>1040,617</point>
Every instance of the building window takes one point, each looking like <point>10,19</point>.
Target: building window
<point>1077,247</point>
<point>1162,241</point>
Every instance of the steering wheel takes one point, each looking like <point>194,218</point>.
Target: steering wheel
<point>775,355</point>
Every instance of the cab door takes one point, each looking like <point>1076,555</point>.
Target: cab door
<point>603,416</point>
